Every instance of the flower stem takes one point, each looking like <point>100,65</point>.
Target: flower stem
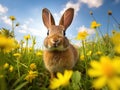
<point>13,28</point>
<point>84,52</point>
<point>18,67</point>
<point>86,60</point>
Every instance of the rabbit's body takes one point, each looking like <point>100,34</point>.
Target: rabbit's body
<point>59,54</point>
<point>58,61</point>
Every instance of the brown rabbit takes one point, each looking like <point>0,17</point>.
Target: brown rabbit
<point>59,54</point>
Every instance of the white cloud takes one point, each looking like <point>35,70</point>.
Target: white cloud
<point>29,28</point>
<point>70,4</point>
<point>56,17</point>
<point>34,31</point>
<point>78,4</point>
<point>3,9</point>
<point>6,20</point>
<point>25,27</point>
<point>22,31</point>
<point>89,31</point>
<point>30,20</point>
<point>92,3</point>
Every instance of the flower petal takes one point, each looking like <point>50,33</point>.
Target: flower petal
<point>59,75</point>
<point>94,73</point>
<point>100,82</point>
<point>68,74</point>
<point>112,85</point>
<point>54,83</point>
<point>95,65</point>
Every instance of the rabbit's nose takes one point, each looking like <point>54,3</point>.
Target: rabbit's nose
<point>55,42</point>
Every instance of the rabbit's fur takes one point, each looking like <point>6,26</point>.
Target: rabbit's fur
<point>59,54</point>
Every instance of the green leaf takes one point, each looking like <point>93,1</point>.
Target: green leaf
<point>18,80</point>
<point>21,85</point>
<point>75,87</point>
<point>76,77</point>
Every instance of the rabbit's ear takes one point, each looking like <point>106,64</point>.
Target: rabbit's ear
<point>47,17</point>
<point>67,18</point>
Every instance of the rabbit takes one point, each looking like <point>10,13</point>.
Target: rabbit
<point>59,54</point>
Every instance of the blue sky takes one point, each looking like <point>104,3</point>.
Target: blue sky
<point>28,14</point>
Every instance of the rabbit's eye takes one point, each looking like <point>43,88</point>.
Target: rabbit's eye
<point>48,32</point>
<point>64,33</point>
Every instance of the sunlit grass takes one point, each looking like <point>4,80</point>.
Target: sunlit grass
<point>98,67</point>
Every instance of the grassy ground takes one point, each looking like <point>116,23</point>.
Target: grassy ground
<point>23,68</point>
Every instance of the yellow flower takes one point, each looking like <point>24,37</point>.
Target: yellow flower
<point>61,80</point>
<point>40,53</point>
<point>11,68</point>
<point>105,73</point>
<point>82,35</point>
<point>31,75</point>
<point>17,55</point>
<point>98,53</point>
<point>117,48</point>
<point>27,37</point>
<point>30,49</point>
<point>7,44</point>
<point>6,65</point>
<point>94,24</point>
<point>12,18</point>
<point>32,66</point>
<point>115,38</point>
<point>89,53</point>
<point>82,57</point>
<point>17,46</point>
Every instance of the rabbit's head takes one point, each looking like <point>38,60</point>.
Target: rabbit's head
<point>56,39</point>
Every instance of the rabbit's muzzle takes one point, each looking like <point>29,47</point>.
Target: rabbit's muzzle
<point>56,42</point>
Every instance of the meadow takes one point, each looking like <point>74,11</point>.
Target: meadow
<point>98,67</point>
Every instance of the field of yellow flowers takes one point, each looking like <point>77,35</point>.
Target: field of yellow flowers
<point>98,67</point>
